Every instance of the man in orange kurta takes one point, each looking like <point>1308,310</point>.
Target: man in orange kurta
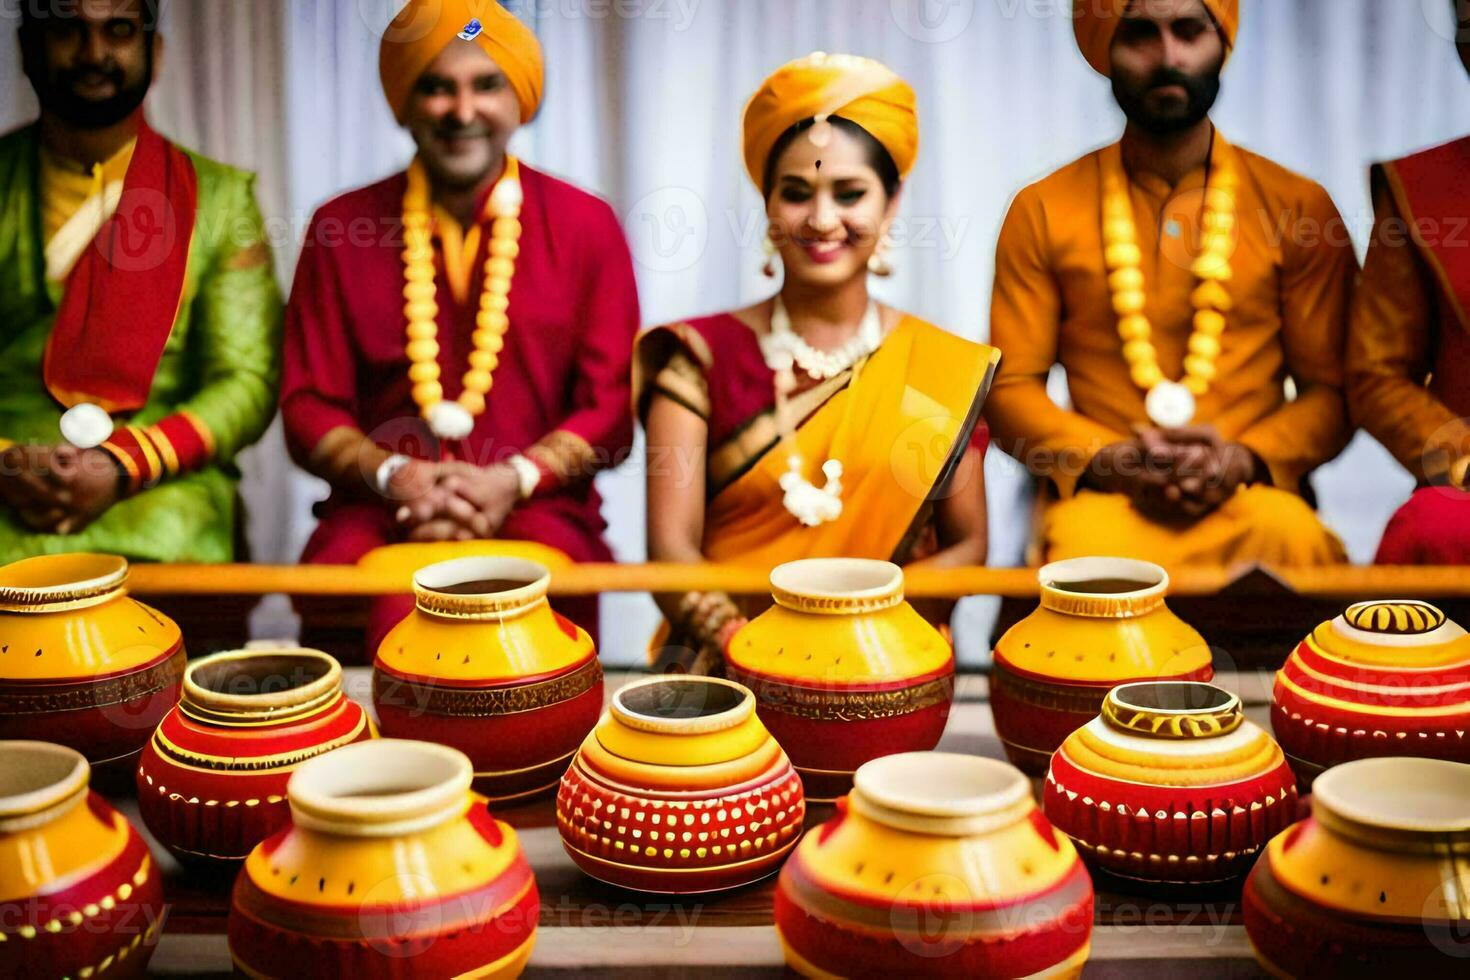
<point>1222,482</point>
<point>1409,346</point>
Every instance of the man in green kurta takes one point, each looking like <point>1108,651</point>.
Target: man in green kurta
<point>139,316</point>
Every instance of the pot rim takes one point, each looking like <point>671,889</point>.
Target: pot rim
<point>1206,721</point>
<point>1366,799</point>
<point>48,800</point>
<point>1106,605</point>
<point>698,725</point>
<point>216,707</point>
<point>803,585</point>
<point>36,585</point>
<point>1354,623</point>
<point>383,787</point>
<point>944,793</point>
<point>429,581</point>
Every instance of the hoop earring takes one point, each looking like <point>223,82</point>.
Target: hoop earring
<point>769,248</point>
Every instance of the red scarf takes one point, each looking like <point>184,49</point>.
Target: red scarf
<point>122,297</point>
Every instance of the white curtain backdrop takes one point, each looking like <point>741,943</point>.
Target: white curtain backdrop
<point>643,99</point>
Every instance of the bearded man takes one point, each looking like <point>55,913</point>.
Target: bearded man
<point>463,375</point>
<point>141,318</point>
<point>1197,295</point>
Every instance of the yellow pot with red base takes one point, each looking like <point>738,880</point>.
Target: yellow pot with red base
<point>1102,622</point>
<point>843,669</point>
<point>936,865</point>
<point>485,665</point>
<point>680,789</point>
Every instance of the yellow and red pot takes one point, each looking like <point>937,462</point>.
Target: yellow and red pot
<point>680,789</point>
<point>82,663</point>
<point>936,865</point>
<point>212,780</point>
<point>843,669</point>
<point>1376,883</point>
<point>1384,678</point>
<point>1170,784</point>
<point>1102,622</point>
<point>391,867</point>
<point>80,894</point>
<point>483,664</point>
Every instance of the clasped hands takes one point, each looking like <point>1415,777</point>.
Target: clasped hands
<point>58,489</point>
<point>1173,474</point>
<point>453,501</point>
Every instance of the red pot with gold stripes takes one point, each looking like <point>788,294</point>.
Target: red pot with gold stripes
<point>1170,784</point>
<point>80,894</point>
<point>82,663</point>
<point>212,780</point>
<point>390,867</point>
<point>1101,622</point>
<point>843,669</point>
<point>680,789</point>
<point>1382,679</point>
<point>485,665</point>
<point>936,865</point>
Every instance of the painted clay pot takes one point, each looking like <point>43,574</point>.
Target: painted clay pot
<point>936,865</point>
<point>483,664</point>
<point>1376,883</point>
<point>212,781</point>
<point>80,894</point>
<point>843,669</point>
<point>680,789</point>
<point>82,663</point>
<point>1102,622</point>
<point>391,867</point>
<point>1170,784</point>
<point>1384,678</point>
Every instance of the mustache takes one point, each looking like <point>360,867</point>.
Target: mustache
<point>92,73</point>
<point>1165,77</point>
<point>450,128</point>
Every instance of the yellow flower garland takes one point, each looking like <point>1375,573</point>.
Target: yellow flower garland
<point>420,307</point>
<point>1211,301</point>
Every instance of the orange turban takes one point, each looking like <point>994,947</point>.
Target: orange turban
<point>857,89</point>
<point>424,28</point>
<point>1096,21</point>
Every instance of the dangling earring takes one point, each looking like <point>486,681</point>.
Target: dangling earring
<point>878,262</point>
<point>769,248</point>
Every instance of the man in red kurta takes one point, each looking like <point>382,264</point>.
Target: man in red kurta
<point>1409,347</point>
<point>459,336</point>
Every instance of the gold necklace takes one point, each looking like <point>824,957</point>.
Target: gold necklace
<point>1169,404</point>
<point>456,419</point>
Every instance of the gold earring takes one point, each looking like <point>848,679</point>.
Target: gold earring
<point>769,248</point>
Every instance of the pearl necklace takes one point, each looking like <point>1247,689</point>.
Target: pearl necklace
<point>456,419</point>
<point>784,349</point>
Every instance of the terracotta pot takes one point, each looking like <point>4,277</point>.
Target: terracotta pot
<point>79,891</point>
<point>1384,678</point>
<point>83,664</point>
<point>680,789</point>
<point>1170,784</point>
<point>1376,883</point>
<point>483,664</point>
<point>1102,622</point>
<point>843,669</point>
<point>391,867</point>
<point>212,781</point>
<point>936,865</point>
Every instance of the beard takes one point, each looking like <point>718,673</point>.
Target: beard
<point>56,91</point>
<point>1201,92</point>
<point>463,168</point>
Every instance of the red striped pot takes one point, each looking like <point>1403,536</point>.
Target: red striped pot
<point>1382,679</point>
<point>390,868</point>
<point>936,865</point>
<point>1170,784</point>
<point>80,894</point>
<point>212,781</point>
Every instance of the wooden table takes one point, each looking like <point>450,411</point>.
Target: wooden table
<point>588,928</point>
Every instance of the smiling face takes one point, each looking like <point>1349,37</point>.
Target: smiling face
<point>1166,61</point>
<point>828,207</point>
<point>91,64</point>
<point>462,113</point>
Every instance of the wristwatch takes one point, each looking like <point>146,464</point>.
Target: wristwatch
<point>387,468</point>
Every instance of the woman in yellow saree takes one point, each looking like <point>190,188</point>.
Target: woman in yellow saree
<point>816,423</point>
